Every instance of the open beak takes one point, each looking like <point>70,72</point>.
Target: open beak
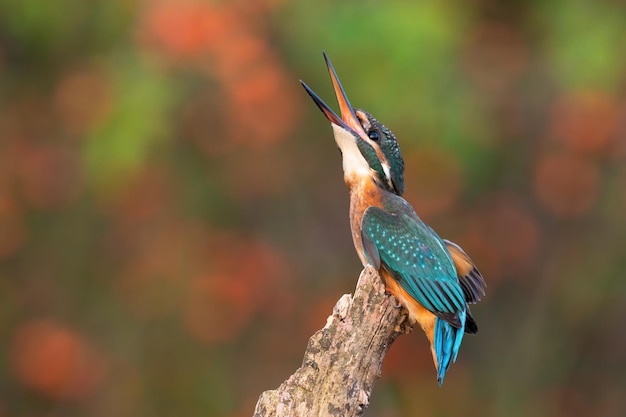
<point>348,119</point>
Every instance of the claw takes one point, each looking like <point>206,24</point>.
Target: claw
<point>404,325</point>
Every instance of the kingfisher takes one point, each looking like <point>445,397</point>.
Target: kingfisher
<point>433,278</point>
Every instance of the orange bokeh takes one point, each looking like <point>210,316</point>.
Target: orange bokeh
<point>158,260</point>
<point>503,237</point>
<point>259,104</point>
<point>153,246</point>
<point>54,360</point>
<point>262,106</point>
<point>181,29</point>
<point>244,277</point>
<point>565,184</point>
<point>585,121</point>
<point>170,263</point>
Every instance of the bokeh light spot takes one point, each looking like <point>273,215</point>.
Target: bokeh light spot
<point>55,361</point>
<point>505,237</point>
<point>585,121</point>
<point>246,277</point>
<point>566,185</point>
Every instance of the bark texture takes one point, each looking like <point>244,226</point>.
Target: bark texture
<point>343,360</point>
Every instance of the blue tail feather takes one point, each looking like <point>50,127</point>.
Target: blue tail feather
<point>447,342</point>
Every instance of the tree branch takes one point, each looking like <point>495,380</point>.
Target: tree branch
<point>343,360</point>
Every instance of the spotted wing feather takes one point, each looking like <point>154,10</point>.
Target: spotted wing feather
<point>417,258</point>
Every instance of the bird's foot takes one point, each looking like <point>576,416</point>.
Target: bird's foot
<point>403,325</point>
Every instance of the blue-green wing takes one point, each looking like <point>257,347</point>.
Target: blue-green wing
<point>416,257</point>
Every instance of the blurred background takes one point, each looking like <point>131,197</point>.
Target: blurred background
<point>174,223</point>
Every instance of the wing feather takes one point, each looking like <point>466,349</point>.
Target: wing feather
<point>470,278</point>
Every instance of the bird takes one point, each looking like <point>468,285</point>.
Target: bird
<point>433,278</point>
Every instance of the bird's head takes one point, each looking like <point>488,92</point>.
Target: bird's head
<point>368,148</point>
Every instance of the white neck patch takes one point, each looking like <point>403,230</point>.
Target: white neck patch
<point>354,165</point>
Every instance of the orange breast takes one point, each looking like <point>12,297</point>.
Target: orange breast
<point>363,195</point>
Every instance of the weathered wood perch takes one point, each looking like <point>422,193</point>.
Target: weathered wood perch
<point>343,360</point>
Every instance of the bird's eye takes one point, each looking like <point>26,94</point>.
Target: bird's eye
<point>373,135</point>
